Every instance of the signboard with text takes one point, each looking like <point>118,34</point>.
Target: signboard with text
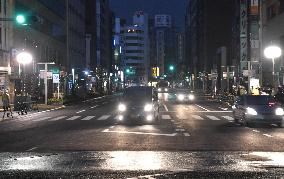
<point>55,78</point>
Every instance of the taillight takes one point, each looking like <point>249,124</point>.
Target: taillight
<point>271,103</point>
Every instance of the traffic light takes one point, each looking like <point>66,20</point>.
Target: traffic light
<point>172,68</point>
<point>23,19</point>
<point>127,70</point>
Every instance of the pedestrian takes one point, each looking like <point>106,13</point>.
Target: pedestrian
<point>6,104</point>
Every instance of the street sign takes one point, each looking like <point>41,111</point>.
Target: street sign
<point>49,75</point>
<point>55,78</point>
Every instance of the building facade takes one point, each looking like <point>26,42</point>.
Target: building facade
<point>136,49</point>
<point>76,50</point>
<point>43,37</point>
<point>205,34</point>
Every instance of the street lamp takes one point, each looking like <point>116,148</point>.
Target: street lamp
<point>24,58</point>
<point>273,52</point>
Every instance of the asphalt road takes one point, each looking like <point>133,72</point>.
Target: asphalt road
<point>203,127</point>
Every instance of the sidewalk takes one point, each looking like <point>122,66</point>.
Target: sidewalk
<point>40,107</point>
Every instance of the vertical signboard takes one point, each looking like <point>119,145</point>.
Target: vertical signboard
<point>243,33</point>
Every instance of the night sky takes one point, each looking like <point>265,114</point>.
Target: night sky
<point>126,8</point>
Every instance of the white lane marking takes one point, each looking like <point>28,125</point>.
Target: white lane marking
<point>104,117</point>
<point>172,120</point>
<point>52,109</point>
<point>166,108</point>
<point>229,118</point>
<point>186,134</point>
<point>202,107</point>
<point>81,111</point>
<point>31,149</point>
<point>197,117</point>
<point>41,119</point>
<point>213,118</point>
<point>111,127</point>
<point>213,111</point>
<point>87,118</point>
<point>140,133</point>
<point>93,107</point>
<point>181,130</point>
<point>73,118</point>
<point>58,118</point>
<point>47,110</point>
<point>267,135</point>
<point>257,131</point>
<point>166,117</point>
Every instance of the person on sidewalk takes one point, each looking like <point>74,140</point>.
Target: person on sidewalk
<point>6,104</point>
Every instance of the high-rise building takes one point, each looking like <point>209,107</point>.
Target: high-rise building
<point>166,43</point>
<point>76,51</point>
<point>207,28</point>
<point>43,37</point>
<point>136,49</point>
<point>273,33</point>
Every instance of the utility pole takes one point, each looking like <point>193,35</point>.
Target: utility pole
<point>45,79</point>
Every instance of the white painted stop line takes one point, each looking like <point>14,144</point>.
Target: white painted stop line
<point>87,118</point>
<point>104,117</point>
<point>58,118</point>
<point>229,118</point>
<point>213,118</point>
<point>166,117</point>
<point>73,118</point>
<point>197,117</point>
<point>41,119</point>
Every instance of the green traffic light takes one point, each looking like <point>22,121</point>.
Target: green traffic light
<point>127,71</point>
<point>21,19</point>
<point>172,67</point>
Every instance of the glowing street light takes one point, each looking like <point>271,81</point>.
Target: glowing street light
<point>273,52</point>
<point>24,58</point>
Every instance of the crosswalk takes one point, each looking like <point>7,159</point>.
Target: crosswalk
<point>115,117</point>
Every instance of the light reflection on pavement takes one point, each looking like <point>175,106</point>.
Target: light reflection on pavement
<point>142,160</point>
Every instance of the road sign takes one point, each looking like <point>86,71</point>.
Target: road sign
<point>55,78</point>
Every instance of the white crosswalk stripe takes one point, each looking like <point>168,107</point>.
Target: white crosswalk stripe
<point>213,118</point>
<point>229,118</point>
<point>104,117</point>
<point>197,117</point>
<point>73,118</point>
<point>87,118</point>
<point>166,117</point>
<point>41,119</point>
<point>58,118</point>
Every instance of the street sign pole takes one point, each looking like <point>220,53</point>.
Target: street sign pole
<point>45,79</point>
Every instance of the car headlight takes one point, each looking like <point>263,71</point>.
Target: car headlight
<point>166,89</point>
<point>191,97</point>
<point>159,89</point>
<point>180,97</point>
<point>148,107</point>
<point>251,111</point>
<point>279,112</point>
<point>121,107</point>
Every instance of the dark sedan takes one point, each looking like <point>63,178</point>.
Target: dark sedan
<point>250,109</point>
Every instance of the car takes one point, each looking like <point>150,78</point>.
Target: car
<point>163,87</point>
<point>139,102</point>
<point>263,109</point>
<point>184,96</point>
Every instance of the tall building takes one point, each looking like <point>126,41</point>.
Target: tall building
<point>43,37</point>
<point>166,43</point>
<point>208,27</point>
<point>273,33</point>
<point>76,51</point>
<point>136,49</point>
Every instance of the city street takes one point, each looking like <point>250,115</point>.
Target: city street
<point>92,125</point>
